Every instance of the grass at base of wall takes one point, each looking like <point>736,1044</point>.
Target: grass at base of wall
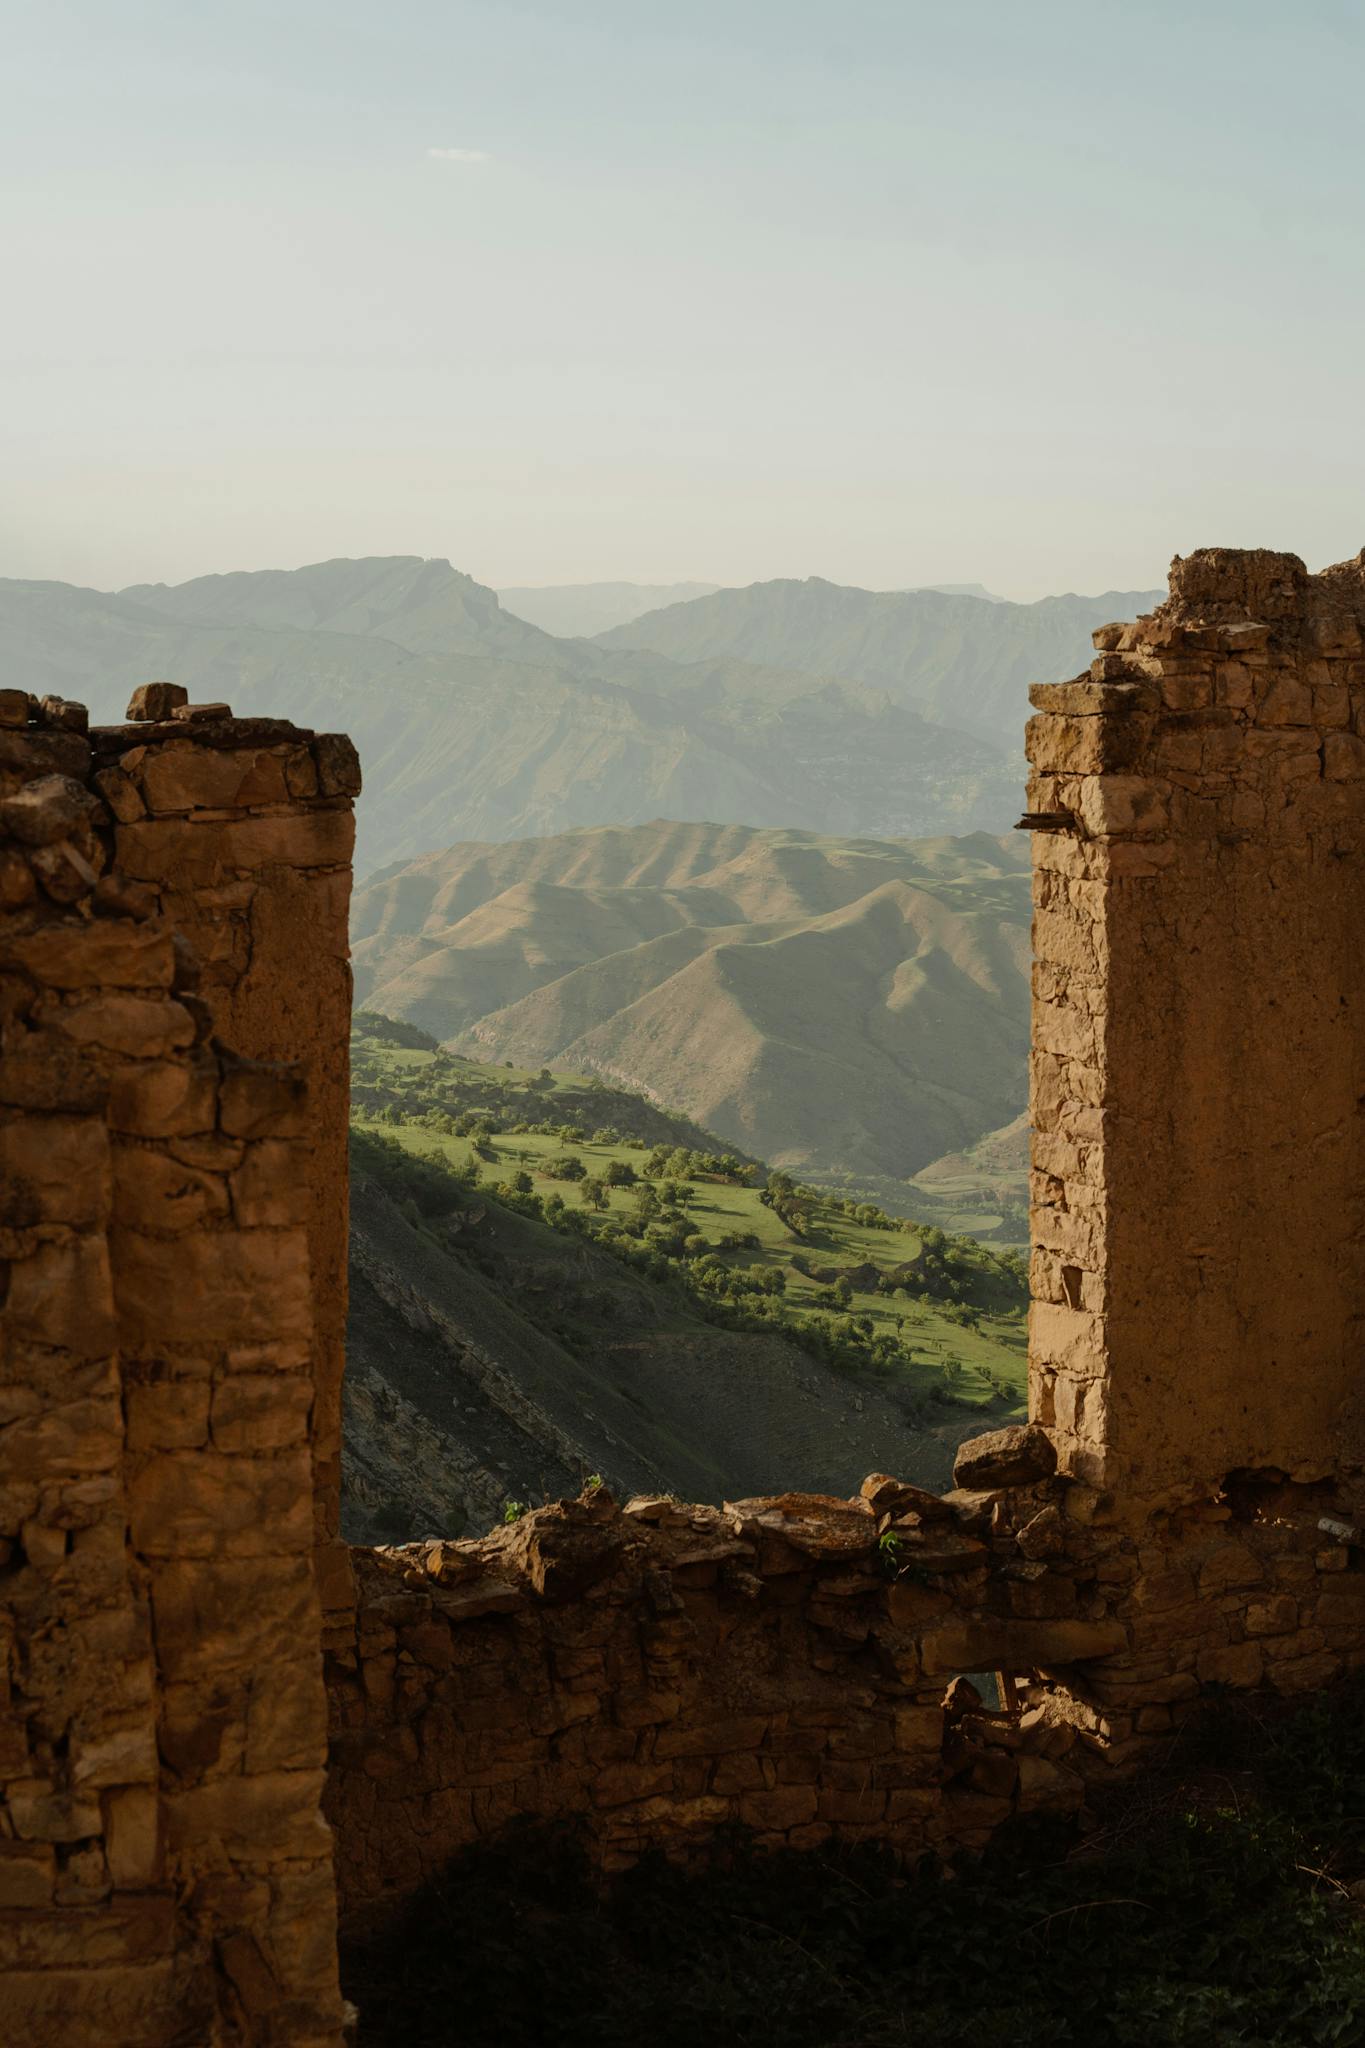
<point>1209,1904</point>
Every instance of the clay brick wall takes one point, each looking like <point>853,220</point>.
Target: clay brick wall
<point>165,1872</point>
<point>1199,1035</point>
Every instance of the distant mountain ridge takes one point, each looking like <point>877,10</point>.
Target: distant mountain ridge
<point>472,723</point>
<point>578,610</point>
<point>959,660</point>
<point>824,1003</point>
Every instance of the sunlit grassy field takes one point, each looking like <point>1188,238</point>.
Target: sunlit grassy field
<point>979,1358</point>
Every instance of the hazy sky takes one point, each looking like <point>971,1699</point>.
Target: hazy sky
<point>892,293</point>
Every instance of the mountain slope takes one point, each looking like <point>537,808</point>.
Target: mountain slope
<point>958,659</point>
<point>646,1309</point>
<point>471,723</point>
<point>824,1003</point>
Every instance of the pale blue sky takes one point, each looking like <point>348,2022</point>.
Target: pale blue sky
<point>891,293</point>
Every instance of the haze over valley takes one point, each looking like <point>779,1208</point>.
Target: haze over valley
<point>802,705</point>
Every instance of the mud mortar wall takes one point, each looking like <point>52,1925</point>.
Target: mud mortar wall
<point>165,1872</point>
<point>1199,1036</point>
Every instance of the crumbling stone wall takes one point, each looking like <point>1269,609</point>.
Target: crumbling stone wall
<point>658,1672</point>
<point>1195,1349</point>
<point>1186,1509</point>
<point>165,1871</point>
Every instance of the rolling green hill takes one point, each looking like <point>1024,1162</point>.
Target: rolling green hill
<point>961,660</point>
<point>473,723</point>
<point>856,1005</point>
<point>551,1277</point>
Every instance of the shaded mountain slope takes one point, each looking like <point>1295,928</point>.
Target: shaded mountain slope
<point>514,1372</point>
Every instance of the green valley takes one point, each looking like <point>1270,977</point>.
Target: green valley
<point>619,1293</point>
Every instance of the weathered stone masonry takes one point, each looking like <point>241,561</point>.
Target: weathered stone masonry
<point>165,1873</point>
<point>1185,1509</point>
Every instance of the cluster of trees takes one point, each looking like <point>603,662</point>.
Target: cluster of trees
<point>451,1085</point>
<point>657,1236</point>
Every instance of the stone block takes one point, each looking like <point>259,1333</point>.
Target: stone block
<point>1304,1674</point>
<point>134,1836</point>
<point>40,1814</point>
<point>781,1807</point>
<point>135,1025</point>
<point>80,955</point>
<point>996,1643</point>
<point>712,1738</point>
<point>1274,1617</point>
<point>236,1284</point>
<point>155,1192</point>
<point>1343,757</point>
<point>198,1504</point>
<point>53,1169</point>
<point>153,702</point>
<point>45,811</point>
<point>271,1189</point>
<point>1016,1456</point>
<point>259,1100</point>
<point>62,1295</point>
<point>1228,1566</point>
<point>121,794</point>
<point>28,1870</point>
<point>1235,1664</point>
<point>1287,701</point>
<point>259,1412</point>
<point>338,765</point>
<point>1121,803</point>
<point>174,1098</point>
<point>286,1727</point>
<point>167,1414</point>
<point>618,1784</point>
<point>267,1818</point>
<point>188,778</point>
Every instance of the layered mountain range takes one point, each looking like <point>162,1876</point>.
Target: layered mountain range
<point>475,724</point>
<point>824,1003</point>
<point>958,659</point>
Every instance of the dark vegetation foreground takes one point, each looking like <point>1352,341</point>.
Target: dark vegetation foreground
<point>1210,1903</point>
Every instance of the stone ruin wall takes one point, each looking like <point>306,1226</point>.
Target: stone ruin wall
<point>1183,1512</point>
<point>172,917</point>
<point>1196,805</point>
<point>1198,1032</point>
